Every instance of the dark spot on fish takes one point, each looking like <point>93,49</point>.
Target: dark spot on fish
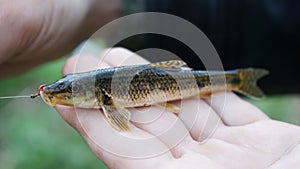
<point>200,84</point>
<point>107,100</point>
<point>153,86</point>
<point>235,81</point>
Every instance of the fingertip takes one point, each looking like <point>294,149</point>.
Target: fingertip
<point>83,63</point>
<point>111,57</point>
<point>234,110</point>
<point>68,66</point>
<point>122,57</point>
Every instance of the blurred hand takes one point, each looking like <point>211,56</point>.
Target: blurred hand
<point>239,135</point>
<point>33,32</point>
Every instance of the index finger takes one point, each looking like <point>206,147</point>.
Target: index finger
<point>122,57</point>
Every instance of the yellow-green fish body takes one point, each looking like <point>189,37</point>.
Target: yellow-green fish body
<point>114,89</point>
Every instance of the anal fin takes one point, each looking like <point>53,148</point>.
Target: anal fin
<point>171,108</point>
<point>205,94</point>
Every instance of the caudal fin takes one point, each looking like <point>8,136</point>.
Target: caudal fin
<point>248,82</point>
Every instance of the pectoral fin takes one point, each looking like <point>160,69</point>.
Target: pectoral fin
<point>118,117</point>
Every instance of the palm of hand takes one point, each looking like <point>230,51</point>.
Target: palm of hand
<point>239,135</point>
<point>261,144</point>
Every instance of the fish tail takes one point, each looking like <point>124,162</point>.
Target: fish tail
<point>248,82</point>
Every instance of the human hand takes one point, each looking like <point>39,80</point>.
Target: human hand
<point>33,32</point>
<point>236,135</point>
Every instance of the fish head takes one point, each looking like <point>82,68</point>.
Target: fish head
<point>71,90</point>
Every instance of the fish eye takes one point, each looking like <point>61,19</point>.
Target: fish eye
<point>74,87</point>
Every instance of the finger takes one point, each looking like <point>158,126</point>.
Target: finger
<point>108,144</point>
<point>165,126</point>
<point>121,57</point>
<point>83,63</point>
<point>233,110</point>
<point>200,119</point>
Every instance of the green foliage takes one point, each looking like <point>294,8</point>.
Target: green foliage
<point>284,108</point>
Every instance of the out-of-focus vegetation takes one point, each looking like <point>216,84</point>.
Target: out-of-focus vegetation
<point>283,108</point>
<point>33,136</point>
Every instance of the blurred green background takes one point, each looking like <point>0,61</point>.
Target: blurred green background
<point>33,136</point>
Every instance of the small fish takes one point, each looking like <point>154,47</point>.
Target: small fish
<point>115,89</point>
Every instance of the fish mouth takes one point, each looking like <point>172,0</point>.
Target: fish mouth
<point>53,100</point>
<point>47,98</point>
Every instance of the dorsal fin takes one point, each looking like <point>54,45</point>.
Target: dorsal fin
<point>171,64</point>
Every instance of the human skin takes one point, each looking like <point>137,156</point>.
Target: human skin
<point>238,135</point>
<point>33,32</point>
